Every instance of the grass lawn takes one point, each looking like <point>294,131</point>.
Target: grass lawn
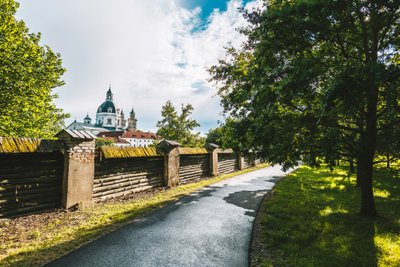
<point>37,239</point>
<point>311,219</point>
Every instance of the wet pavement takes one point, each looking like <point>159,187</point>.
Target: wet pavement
<point>211,227</point>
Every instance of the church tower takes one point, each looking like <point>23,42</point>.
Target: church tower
<point>87,120</point>
<point>109,96</point>
<point>132,121</point>
<point>106,115</point>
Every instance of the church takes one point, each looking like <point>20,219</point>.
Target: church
<point>111,124</point>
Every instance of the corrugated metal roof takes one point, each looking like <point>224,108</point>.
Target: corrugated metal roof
<point>79,134</point>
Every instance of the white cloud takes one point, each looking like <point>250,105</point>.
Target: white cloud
<point>149,51</point>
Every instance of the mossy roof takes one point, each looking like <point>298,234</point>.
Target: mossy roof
<point>128,152</point>
<point>192,150</point>
<point>26,145</point>
<point>227,151</point>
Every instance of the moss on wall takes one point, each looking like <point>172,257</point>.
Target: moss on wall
<point>192,150</point>
<point>26,145</point>
<point>128,152</point>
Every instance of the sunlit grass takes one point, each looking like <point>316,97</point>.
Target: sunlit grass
<point>68,231</point>
<point>312,220</point>
<point>381,193</point>
<point>389,248</point>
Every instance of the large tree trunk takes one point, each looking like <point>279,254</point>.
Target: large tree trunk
<point>388,161</point>
<point>351,166</point>
<point>368,143</point>
<point>358,174</point>
<point>368,208</point>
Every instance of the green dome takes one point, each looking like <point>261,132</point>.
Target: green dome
<point>107,106</point>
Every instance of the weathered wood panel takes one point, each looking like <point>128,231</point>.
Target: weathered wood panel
<point>227,162</point>
<point>247,164</point>
<point>118,177</point>
<point>30,182</point>
<point>193,167</point>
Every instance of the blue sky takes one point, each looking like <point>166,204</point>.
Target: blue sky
<point>207,6</point>
<point>150,52</point>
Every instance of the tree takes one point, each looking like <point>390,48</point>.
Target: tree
<point>104,142</point>
<point>317,81</point>
<point>179,127</point>
<point>229,134</point>
<point>28,73</point>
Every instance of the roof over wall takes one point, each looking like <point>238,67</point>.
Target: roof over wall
<point>129,134</point>
<point>139,134</point>
<point>77,134</point>
<point>192,150</point>
<point>227,151</point>
<point>128,152</point>
<point>26,145</point>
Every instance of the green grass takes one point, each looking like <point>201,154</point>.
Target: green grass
<point>311,219</point>
<point>38,239</point>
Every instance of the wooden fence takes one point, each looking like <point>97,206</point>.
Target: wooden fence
<point>246,163</point>
<point>228,162</point>
<point>116,177</point>
<point>194,165</point>
<point>30,182</point>
<point>41,174</point>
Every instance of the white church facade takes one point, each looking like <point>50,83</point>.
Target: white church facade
<point>111,124</point>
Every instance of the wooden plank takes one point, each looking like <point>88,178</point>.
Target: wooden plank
<point>124,193</point>
<point>27,210</point>
<point>120,183</point>
<point>125,189</point>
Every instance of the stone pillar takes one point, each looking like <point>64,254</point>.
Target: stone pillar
<point>213,149</point>
<point>170,150</point>
<point>241,162</point>
<point>77,186</point>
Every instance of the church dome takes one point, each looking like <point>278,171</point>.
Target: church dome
<point>107,106</point>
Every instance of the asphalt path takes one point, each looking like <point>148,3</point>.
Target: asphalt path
<point>211,227</point>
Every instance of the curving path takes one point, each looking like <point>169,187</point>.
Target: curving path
<point>211,227</point>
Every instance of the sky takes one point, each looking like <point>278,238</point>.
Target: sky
<point>150,51</point>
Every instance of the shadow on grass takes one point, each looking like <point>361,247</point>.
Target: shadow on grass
<point>312,220</point>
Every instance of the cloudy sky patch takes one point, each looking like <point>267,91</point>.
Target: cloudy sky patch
<point>150,52</point>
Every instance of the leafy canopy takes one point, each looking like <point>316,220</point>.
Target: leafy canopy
<point>317,80</point>
<point>179,127</point>
<point>28,74</point>
<point>226,135</point>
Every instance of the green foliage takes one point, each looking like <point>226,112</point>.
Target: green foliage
<point>216,136</point>
<point>179,127</point>
<point>317,81</point>
<point>309,220</point>
<point>28,73</point>
<point>103,142</point>
<point>226,135</point>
